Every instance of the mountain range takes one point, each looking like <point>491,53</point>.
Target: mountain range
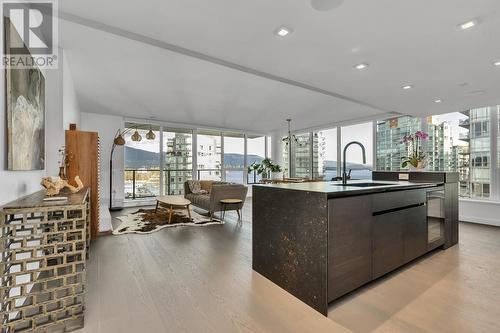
<point>143,159</point>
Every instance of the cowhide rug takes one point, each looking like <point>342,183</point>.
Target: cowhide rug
<point>146,221</point>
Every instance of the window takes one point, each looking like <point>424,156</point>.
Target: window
<point>142,162</point>
<point>256,150</point>
<point>210,155</point>
<point>458,141</point>
<point>178,163</point>
<point>327,154</point>
<point>234,157</point>
<point>389,148</point>
<point>362,133</point>
<point>302,156</point>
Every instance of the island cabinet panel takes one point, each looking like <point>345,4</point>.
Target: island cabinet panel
<point>349,244</point>
<point>451,214</point>
<point>415,223</point>
<point>398,199</point>
<point>388,242</point>
<point>398,237</point>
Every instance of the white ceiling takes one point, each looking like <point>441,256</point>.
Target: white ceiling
<point>415,42</point>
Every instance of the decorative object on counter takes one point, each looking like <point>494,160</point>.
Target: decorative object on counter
<point>54,185</point>
<point>56,199</point>
<point>267,169</point>
<point>119,140</point>
<point>25,105</point>
<point>43,249</point>
<point>416,157</point>
<point>147,221</point>
<point>65,158</point>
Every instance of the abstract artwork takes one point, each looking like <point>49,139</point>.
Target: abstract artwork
<point>25,105</point>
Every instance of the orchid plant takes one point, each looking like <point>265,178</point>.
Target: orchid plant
<point>414,145</point>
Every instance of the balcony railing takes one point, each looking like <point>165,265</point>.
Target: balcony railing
<point>464,123</point>
<point>141,184</point>
<point>209,174</point>
<point>464,136</point>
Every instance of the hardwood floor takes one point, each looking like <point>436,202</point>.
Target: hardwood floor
<point>200,280</point>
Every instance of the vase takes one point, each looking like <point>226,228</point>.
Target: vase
<point>276,175</point>
<point>420,166</point>
<point>62,173</point>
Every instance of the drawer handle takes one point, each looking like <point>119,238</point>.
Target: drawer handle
<point>398,209</point>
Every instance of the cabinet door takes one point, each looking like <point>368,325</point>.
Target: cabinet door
<point>349,244</point>
<point>415,238</point>
<point>388,242</point>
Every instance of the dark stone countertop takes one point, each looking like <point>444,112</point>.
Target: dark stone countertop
<point>337,190</point>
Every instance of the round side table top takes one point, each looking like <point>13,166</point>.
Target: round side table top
<point>231,201</point>
<point>173,200</point>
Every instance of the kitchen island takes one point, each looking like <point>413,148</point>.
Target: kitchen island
<point>322,240</point>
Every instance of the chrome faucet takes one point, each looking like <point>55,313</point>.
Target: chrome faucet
<point>344,165</point>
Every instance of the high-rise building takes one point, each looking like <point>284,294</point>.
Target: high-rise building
<point>178,163</point>
<point>478,137</point>
<point>304,150</point>
<point>389,134</point>
<point>464,148</point>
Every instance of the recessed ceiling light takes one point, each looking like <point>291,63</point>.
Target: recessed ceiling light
<point>283,31</point>
<point>361,66</point>
<point>468,24</point>
<point>406,87</point>
<point>496,64</point>
<point>438,101</point>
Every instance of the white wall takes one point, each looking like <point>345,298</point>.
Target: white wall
<point>277,147</point>
<point>54,128</point>
<point>71,109</point>
<point>107,126</point>
<point>14,184</point>
<point>485,212</point>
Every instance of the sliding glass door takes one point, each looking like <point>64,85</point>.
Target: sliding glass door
<point>142,161</point>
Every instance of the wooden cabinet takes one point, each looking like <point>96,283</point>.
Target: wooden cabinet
<point>349,244</point>
<point>83,149</point>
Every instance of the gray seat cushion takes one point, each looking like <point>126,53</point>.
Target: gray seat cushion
<point>199,200</point>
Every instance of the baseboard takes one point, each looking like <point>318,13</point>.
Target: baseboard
<point>479,220</point>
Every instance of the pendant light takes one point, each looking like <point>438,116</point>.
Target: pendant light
<point>150,135</point>
<point>136,136</point>
<point>119,140</point>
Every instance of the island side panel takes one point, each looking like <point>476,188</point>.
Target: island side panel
<point>289,242</point>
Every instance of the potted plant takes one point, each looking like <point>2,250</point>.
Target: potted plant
<point>266,168</point>
<point>416,157</point>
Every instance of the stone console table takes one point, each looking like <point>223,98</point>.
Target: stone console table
<point>43,247</point>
